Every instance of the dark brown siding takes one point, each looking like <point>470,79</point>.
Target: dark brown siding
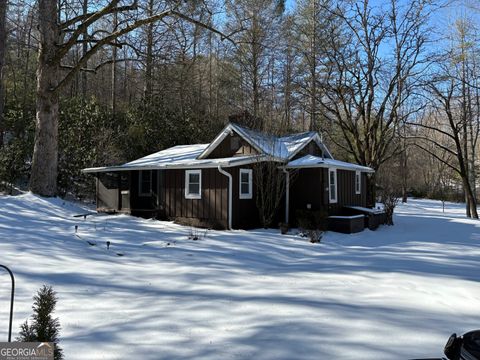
<point>211,210</point>
<point>310,149</point>
<point>245,211</point>
<point>346,191</point>
<point>307,187</point>
<point>232,145</point>
<point>310,186</point>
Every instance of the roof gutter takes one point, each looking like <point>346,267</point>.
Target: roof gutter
<point>229,176</point>
<point>205,165</point>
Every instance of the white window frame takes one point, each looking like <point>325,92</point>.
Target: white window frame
<point>188,195</point>
<point>358,185</point>
<point>333,200</point>
<point>248,195</point>
<point>141,173</point>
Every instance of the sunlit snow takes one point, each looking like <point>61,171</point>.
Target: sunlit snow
<point>394,293</point>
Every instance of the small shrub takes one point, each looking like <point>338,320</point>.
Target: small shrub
<point>315,236</point>
<point>312,220</point>
<point>389,199</point>
<point>283,228</point>
<point>43,328</point>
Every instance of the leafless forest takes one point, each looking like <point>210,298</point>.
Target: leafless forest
<point>394,85</point>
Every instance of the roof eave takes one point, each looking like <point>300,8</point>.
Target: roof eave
<point>192,165</point>
<point>223,134</point>
<point>330,166</point>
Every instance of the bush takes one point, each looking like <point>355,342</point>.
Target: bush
<point>43,328</point>
<point>312,220</point>
<point>389,199</point>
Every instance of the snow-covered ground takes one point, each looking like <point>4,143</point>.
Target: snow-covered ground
<point>394,293</point>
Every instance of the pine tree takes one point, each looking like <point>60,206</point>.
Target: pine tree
<point>43,328</point>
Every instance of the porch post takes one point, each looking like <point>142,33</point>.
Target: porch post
<point>287,195</point>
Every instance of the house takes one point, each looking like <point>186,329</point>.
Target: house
<point>212,185</point>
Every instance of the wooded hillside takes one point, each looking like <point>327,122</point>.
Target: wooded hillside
<point>392,85</point>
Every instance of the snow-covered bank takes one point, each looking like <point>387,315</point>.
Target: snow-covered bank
<point>395,293</point>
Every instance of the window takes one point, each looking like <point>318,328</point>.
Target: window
<point>246,184</point>
<point>193,184</point>
<point>332,185</point>
<point>145,183</point>
<point>358,182</point>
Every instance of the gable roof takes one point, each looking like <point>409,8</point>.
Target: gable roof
<point>177,157</point>
<point>281,148</point>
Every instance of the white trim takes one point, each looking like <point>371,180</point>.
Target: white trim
<point>140,181</point>
<point>196,164</point>
<point>332,200</point>
<point>316,138</point>
<point>188,195</point>
<point>228,130</point>
<point>358,175</point>
<point>248,195</point>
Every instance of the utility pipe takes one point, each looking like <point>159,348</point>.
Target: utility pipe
<point>12,294</point>
<point>227,174</point>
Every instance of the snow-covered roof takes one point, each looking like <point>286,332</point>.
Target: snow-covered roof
<point>281,148</point>
<point>311,161</point>
<point>181,156</point>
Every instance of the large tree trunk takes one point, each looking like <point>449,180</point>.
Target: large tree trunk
<point>470,198</point>
<point>43,179</point>
<point>371,190</point>
<point>3,40</point>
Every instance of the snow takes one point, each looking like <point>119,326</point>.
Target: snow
<point>280,148</point>
<point>181,156</point>
<point>366,210</point>
<point>309,161</point>
<point>346,217</point>
<point>394,293</point>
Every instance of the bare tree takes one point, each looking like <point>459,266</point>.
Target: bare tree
<point>3,44</point>
<point>365,87</point>
<point>56,40</point>
<point>454,119</point>
<point>260,21</point>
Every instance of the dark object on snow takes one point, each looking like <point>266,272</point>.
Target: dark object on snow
<point>12,296</point>
<point>84,215</point>
<point>108,245</point>
<point>283,228</point>
<point>76,228</point>
<point>466,347</point>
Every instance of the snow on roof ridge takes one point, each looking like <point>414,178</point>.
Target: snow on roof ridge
<point>284,145</point>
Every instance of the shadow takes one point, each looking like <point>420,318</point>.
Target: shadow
<point>243,294</point>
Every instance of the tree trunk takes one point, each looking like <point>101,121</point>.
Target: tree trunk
<point>404,166</point>
<point>371,191</point>
<point>3,40</point>
<point>43,178</point>
<point>84,51</point>
<point>471,203</point>
<point>114,72</point>
<point>149,57</point>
